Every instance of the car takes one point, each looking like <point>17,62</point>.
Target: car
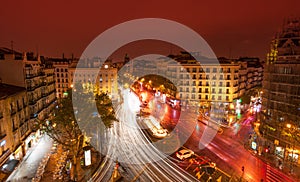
<point>184,154</point>
<point>9,166</point>
<point>153,127</point>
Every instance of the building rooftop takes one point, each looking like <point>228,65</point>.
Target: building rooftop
<point>8,90</point>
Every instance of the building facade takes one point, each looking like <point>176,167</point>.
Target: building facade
<point>14,123</point>
<point>36,75</point>
<point>94,77</point>
<point>62,77</point>
<point>280,119</point>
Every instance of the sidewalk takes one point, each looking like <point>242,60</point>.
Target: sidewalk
<point>55,169</point>
<point>30,163</point>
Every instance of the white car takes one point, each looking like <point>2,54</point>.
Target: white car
<point>184,154</point>
<point>159,133</point>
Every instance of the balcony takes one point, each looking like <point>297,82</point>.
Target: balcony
<point>13,111</point>
<point>31,88</point>
<point>29,76</point>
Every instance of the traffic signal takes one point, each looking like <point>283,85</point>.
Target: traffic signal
<point>243,168</point>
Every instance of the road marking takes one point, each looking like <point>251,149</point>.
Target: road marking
<point>271,176</point>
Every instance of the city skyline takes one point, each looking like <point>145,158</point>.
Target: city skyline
<point>57,28</point>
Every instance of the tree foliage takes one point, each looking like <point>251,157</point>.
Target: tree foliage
<point>63,125</point>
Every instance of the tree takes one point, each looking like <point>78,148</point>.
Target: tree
<point>63,125</point>
<point>63,129</point>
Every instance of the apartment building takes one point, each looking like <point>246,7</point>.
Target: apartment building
<point>15,126</point>
<point>36,75</point>
<point>94,77</point>
<point>280,116</point>
<point>62,77</point>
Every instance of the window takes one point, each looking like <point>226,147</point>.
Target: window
<point>219,97</point>
<point>227,91</point>
<point>193,96</point>
<point>199,96</point>
<point>57,75</point>
<point>187,89</point>
<point>200,90</point>
<point>220,84</point>
<point>206,97</point>
<point>213,97</point>
<point>214,70</point>
<point>214,77</point>
<point>213,90</point>
<point>66,70</point>
<point>207,70</point>
<point>220,90</point>
<point>62,70</point>
<point>206,90</point>
<point>227,98</point>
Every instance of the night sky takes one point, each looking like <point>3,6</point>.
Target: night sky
<point>232,28</point>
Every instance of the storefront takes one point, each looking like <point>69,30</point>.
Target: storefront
<point>293,155</point>
<point>18,154</point>
<point>279,151</point>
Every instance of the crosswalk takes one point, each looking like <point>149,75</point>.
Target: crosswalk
<point>273,175</point>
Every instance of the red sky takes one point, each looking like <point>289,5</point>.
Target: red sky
<point>239,27</point>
